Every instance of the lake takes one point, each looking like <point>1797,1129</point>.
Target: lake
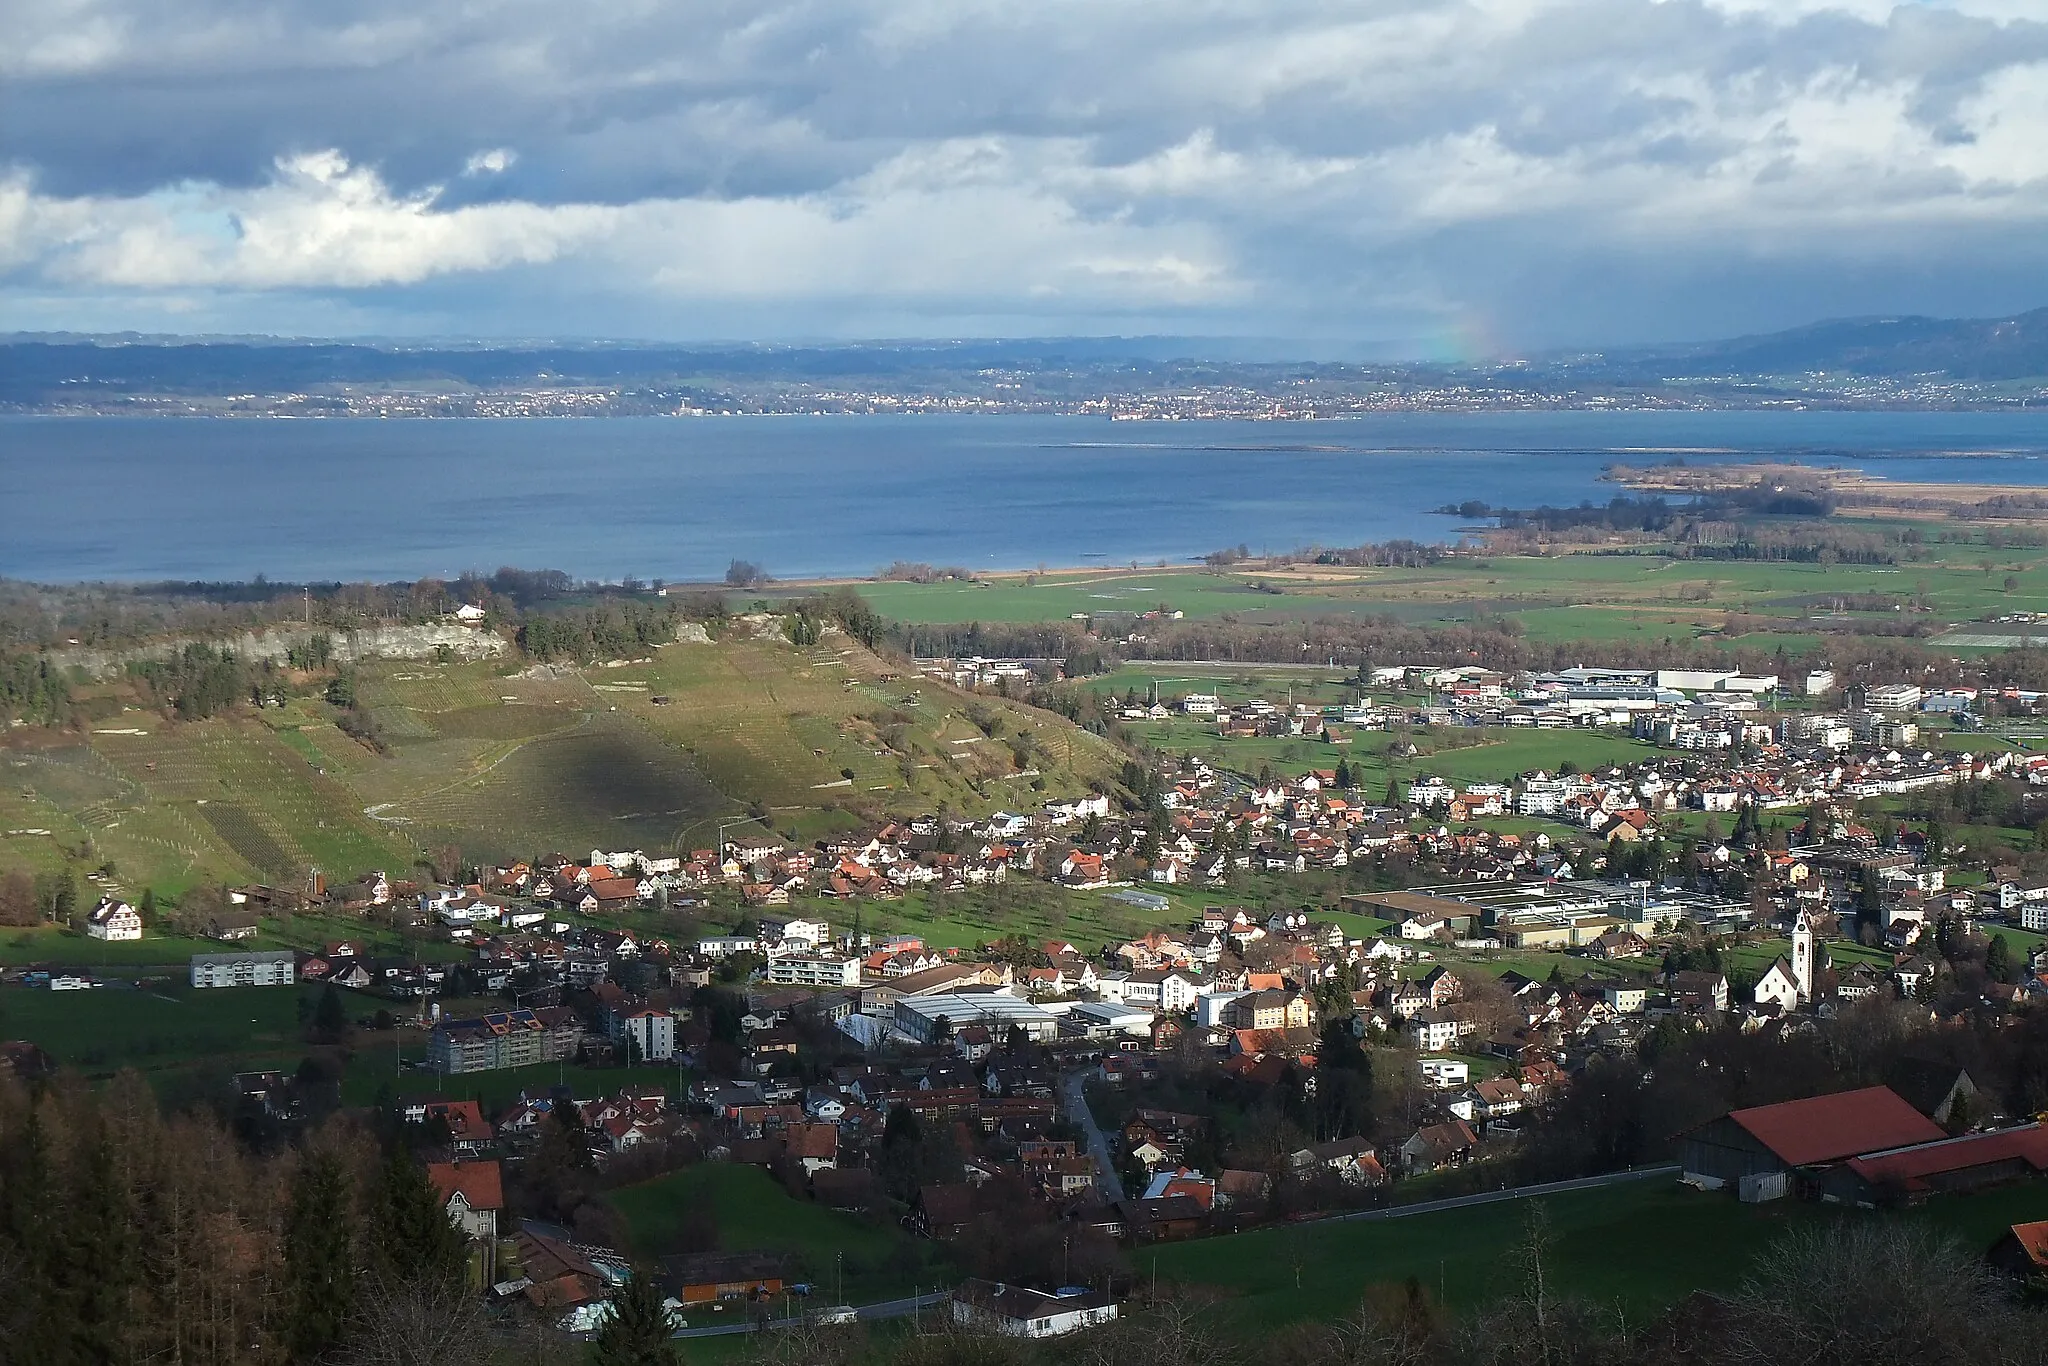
<point>680,498</point>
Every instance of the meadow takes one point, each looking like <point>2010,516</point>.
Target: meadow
<point>1640,1246</point>
<point>752,1212</point>
<point>1638,596</point>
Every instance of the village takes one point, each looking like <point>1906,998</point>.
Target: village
<point>1410,1032</point>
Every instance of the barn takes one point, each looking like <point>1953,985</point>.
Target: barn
<point>1792,1139</point>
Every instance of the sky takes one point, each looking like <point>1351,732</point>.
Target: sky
<point>1445,181</point>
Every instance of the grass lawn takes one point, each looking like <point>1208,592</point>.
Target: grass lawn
<point>1643,1246</point>
<point>164,1029</point>
<point>753,1212</point>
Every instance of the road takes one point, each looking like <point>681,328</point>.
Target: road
<point>1098,1146</point>
<point>884,1309</point>
<point>1582,1183</point>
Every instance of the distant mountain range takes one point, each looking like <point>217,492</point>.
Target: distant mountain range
<point>1982,349</point>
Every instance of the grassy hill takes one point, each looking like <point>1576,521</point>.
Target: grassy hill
<point>504,761</point>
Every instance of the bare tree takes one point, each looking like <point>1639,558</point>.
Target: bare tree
<point>1875,1293</point>
<point>418,1323</point>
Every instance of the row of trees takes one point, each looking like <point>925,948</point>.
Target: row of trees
<point>1621,1112</point>
<point>127,1235</point>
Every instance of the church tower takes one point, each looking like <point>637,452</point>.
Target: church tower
<point>1802,956</point>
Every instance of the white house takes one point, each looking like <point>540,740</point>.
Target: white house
<point>1433,1031</point>
<point>472,1193</point>
<point>1444,1071</point>
<point>795,930</point>
<point>113,919</point>
<point>1015,1311</point>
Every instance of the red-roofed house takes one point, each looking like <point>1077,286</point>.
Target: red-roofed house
<point>472,1193</point>
<point>1802,1134</point>
<point>2023,1250</point>
<point>814,1145</point>
<point>468,1130</point>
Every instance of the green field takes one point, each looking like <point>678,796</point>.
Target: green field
<point>1637,597</point>
<point>1459,755</point>
<point>164,1029</point>
<point>753,1213</point>
<point>1642,1246</point>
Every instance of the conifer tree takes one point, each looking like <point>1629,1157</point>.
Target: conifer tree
<point>638,1333</point>
<point>413,1239</point>
<point>319,1257</point>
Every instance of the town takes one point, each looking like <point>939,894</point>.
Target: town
<point>1757,875</point>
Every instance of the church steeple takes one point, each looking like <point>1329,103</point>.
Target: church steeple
<point>1802,956</point>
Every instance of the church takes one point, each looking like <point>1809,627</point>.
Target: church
<point>1789,981</point>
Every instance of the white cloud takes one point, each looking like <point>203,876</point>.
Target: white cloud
<point>319,223</point>
<point>948,223</point>
<point>1266,162</point>
<point>495,161</point>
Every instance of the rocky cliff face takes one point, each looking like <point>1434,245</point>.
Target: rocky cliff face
<point>377,642</point>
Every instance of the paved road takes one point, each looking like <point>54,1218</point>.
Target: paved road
<point>1510,1193</point>
<point>1098,1146</point>
<point>885,1309</point>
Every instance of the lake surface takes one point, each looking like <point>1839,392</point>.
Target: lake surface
<point>680,498</point>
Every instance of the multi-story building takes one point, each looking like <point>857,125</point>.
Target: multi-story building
<point>649,1033</point>
<point>267,968</point>
<point>813,970</point>
<point>506,1038</point>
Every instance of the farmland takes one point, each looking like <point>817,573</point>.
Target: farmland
<point>1637,597</point>
<point>1466,756</point>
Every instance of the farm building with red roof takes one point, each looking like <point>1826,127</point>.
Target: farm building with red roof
<point>1953,1164</point>
<point>1802,1134</point>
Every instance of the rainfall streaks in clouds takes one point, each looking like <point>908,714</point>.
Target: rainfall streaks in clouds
<point>1453,178</point>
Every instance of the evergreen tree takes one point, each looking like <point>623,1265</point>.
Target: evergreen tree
<point>330,1017</point>
<point>89,1259</point>
<point>147,910</point>
<point>412,1238</point>
<point>25,1229</point>
<point>1343,1099</point>
<point>639,1332</point>
<point>1998,959</point>
<point>318,1257</point>
<point>897,1160</point>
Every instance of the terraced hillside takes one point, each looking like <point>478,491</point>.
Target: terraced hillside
<point>506,761</point>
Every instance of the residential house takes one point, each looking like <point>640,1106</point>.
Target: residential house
<point>472,1193</point>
